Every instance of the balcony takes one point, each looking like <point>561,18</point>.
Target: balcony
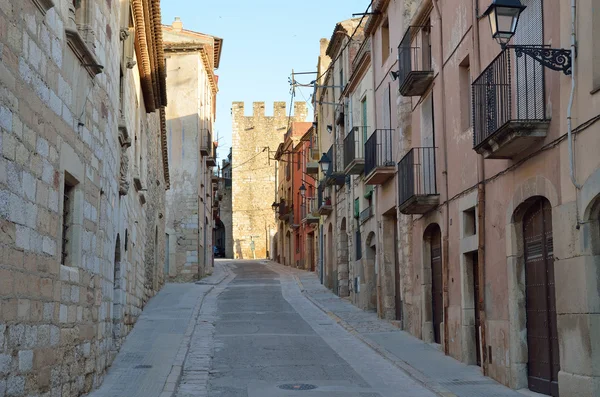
<point>312,163</point>
<point>335,175</point>
<point>415,71</point>
<point>285,211</point>
<point>309,211</point>
<point>366,214</point>
<point>354,151</point>
<point>206,142</point>
<point>417,192</point>
<point>211,160</point>
<point>379,157</point>
<point>215,176</point>
<point>509,108</point>
<point>324,203</point>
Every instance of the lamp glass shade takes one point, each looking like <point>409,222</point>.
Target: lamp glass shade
<point>324,163</point>
<point>504,17</point>
<point>302,190</point>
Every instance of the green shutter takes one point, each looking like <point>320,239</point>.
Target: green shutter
<point>356,208</point>
<point>369,191</point>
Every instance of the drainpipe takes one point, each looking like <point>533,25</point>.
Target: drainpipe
<point>569,112</point>
<point>446,273</point>
<point>480,211</point>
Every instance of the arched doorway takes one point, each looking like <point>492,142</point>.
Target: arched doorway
<point>370,282</point>
<point>117,307</point>
<point>540,299</point>
<point>433,281</point>
<point>329,256</point>
<point>343,289</point>
<point>289,253</point>
<point>220,237</point>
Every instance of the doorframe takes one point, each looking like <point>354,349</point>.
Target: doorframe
<point>525,195</point>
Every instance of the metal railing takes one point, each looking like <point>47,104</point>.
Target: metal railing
<point>354,145</point>
<point>413,56</point>
<point>416,174</point>
<point>511,88</point>
<point>206,143</point>
<point>379,150</point>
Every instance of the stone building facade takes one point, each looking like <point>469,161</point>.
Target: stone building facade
<point>192,85</point>
<point>485,193</point>
<point>289,247</point>
<point>224,229</point>
<point>82,186</point>
<point>255,140</point>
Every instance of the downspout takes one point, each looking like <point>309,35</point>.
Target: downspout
<point>480,211</point>
<point>569,113</point>
<point>446,273</point>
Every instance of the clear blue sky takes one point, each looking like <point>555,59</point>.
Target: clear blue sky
<point>263,40</point>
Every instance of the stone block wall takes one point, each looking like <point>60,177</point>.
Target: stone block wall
<point>255,140</point>
<point>62,319</point>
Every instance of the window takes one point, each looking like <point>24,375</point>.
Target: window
<point>67,220</point>
<point>464,77</point>
<point>469,222</point>
<point>364,121</point>
<point>71,221</point>
<point>426,45</point>
<point>80,36</point>
<point>385,41</point>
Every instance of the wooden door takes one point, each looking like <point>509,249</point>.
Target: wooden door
<point>542,331</point>
<point>477,308</point>
<point>397,281</point>
<point>437,293</point>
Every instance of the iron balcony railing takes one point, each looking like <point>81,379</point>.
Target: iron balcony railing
<point>414,61</point>
<point>206,143</point>
<point>309,208</point>
<point>366,214</point>
<point>416,174</point>
<point>335,173</point>
<point>354,144</point>
<point>511,88</point>
<point>379,150</point>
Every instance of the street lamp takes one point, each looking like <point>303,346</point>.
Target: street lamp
<point>302,190</point>
<point>274,206</point>
<point>325,162</point>
<point>504,18</point>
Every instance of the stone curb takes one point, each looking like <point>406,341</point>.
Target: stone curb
<point>403,365</point>
<point>174,377</point>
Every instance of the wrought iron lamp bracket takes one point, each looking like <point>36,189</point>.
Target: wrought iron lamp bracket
<point>558,59</point>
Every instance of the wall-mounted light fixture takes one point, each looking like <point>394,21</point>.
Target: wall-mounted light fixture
<point>504,18</point>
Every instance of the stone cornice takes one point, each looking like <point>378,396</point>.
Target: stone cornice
<point>82,52</point>
<point>44,5</point>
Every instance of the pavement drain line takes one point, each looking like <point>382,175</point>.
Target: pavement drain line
<point>403,365</point>
<point>174,377</point>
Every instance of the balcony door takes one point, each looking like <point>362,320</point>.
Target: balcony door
<point>529,74</point>
<point>385,148</point>
<point>425,160</point>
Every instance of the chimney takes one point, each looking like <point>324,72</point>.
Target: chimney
<point>177,24</point>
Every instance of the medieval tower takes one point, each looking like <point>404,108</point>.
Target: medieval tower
<point>254,142</point>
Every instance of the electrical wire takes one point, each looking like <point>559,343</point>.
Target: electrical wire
<point>332,64</point>
<point>250,159</point>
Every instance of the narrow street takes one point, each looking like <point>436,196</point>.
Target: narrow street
<point>259,329</point>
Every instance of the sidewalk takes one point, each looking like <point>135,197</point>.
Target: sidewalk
<point>150,361</point>
<point>430,366</point>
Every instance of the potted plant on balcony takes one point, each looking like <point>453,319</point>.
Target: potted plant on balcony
<point>327,200</point>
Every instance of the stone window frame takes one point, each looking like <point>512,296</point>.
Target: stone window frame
<point>72,173</point>
<point>80,35</point>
